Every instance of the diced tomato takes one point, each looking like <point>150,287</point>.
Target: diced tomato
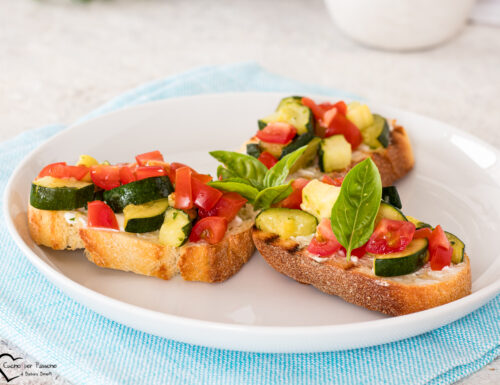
<point>338,124</point>
<point>390,236</point>
<point>210,229</point>
<point>204,197</point>
<point>126,175</point>
<point>333,181</point>
<point>317,111</point>
<point>340,106</point>
<point>203,178</point>
<point>183,189</point>
<point>324,242</point>
<point>105,177</point>
<point>227,206</point>
<point>277,132</point>
<point>440,249</point>
<point>438,239</point>
<point>144,172</point>
<point>61,170</point>
<point>424,232</point>
<point>142,159</point>
<point>175,165</point>
<point>358,252</point>
<point>267,159</point>
<point>294,200</point>
<point>440,257</point>
<point>100,215</point>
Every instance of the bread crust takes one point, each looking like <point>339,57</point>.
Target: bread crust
<point>50,228</point>
<point>356,285</point>
<point>194,262</point>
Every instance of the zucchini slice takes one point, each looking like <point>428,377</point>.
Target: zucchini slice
<point>377,134</point>
<point>286,222</point>
<point>418,224</point>
<point>146,217</point>
<point>318,198</point>
<point>390,195</point>
<point>458,248</point>
<point>138,192</point>
<point>253,149</point>
<point>386,210</point>
<point>307,156</point>
<point>298,142</point>
<point>175,228</point>
<point>335,153</point>
<point>274,149</point>
<point>291,111</point>
<point>50,193</point>
<point>359,114</point>
<point>403,262</point>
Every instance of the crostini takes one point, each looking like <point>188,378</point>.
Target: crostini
<point>130,217</point>
<point>353,241</point>
<point>337,136</point>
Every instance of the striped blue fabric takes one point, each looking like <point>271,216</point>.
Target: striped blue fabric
<point>90,349</point>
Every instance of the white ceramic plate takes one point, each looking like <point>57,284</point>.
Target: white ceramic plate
<point>455,183</point>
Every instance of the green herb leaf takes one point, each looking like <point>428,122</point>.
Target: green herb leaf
<point>243,166</point>
<point>224,173</point>
<point>355,210</point>
<point>244,189</point>
<point>277,174</point>
<point>270,195</point>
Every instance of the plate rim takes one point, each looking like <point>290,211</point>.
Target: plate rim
<point>100,302</point>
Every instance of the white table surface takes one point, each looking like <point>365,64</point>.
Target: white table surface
<point>61,59</point>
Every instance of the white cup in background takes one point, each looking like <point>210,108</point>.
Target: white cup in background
<point>400,24</point>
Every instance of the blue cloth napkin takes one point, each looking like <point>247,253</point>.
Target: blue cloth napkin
<point>90,349</point>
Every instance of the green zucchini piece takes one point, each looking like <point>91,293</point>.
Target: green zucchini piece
<point>418,224</point>
<point>359,114</point>
<point>286,222</point>
<point>289,100</point>
<point>176,228</point>
<point>274,149</point>
<point>404,262</point>
<point>458,247</point>
<point>291,111</point>
<point>146,217</point>
<point>390,195</point>
<point>378,134</point>
<point>307,156</point>
<point>138,192</point>
<point>335,153</point>
<point>318,198</point>
<point>386,210</point>
<point>49,193</point>
<point>298,142</point>
<point>253,149</point>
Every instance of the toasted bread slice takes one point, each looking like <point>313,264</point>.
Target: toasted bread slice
<point>355,282</point>
<point>393,162</point>
<point>58,230</point>
<point>143,254</point>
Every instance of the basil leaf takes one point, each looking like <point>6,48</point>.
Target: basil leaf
<point>355,210</point>
<point>242,165</point>
<point>243,189</point>
<point>277,174</point>
<point>270,195</point>
<point>224,173</point>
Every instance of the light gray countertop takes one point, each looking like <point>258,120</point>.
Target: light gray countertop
<point>60,59</point>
